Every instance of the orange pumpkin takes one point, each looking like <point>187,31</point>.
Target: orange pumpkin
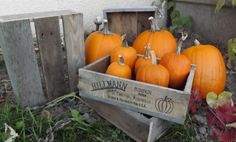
<point>99,44</point>
<point>153,73</point>
<point>119,69</point>
<point>146,59</point>
<point>129,54</point>
<point>210,75</point>
<point>161,41</point>
<point>178,66</point>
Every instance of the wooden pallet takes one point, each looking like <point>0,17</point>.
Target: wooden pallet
<point>36,84</point>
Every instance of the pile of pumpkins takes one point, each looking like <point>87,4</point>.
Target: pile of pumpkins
<point>173,68</point>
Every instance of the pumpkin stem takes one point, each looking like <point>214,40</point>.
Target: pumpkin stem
<point>196,42</point>
<point>98,22</point>
<point>147,53</point>
<point>181,40</point>
<point>105,28</point>
<point>121,60</point>
<point>154,58</point>
<point>124,41</point>
<point>154,25</point>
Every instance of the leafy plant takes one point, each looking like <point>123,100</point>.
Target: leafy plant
<point>232,48</point>
<point>221,3</point>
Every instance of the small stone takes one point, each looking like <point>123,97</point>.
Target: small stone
<point>202,130</point>
<point>200,119</point>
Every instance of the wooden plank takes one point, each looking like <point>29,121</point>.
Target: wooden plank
<point>35,15</point>
<point>74,42</point>
<point>129,26</point>
<point>52,57</point>
<point>133,124</point>
<point>133,95</point>
<point>206,2</point>
<point>143,22</point>
<point>16,41</point>
<point>115,22</point>
<point>188,86</point>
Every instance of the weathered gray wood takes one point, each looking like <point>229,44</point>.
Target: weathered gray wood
<point>34,15</point>
<point>133,124</point>
<point>133,95</point>
<point>74,42</point>
<point>99,65</point>
<point>131,21</point>
<point>16,41</point>
<point>188,86</point>
<point>52,57</point>
<point>206,2</point>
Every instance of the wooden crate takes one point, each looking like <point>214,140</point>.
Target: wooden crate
<point>35,84</point>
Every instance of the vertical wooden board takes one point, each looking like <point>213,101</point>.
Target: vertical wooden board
<point>16,41</point>
<point>143,23</point>
<point>133,124</point>
<point>115,22</point>
<point>52,57</point>
<point>129,26</point>
<point>74,42</point>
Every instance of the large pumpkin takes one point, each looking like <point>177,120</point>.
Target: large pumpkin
<point>146,59</point>
<point>178,65</point>
<point>161,41</point>
<point>153,73</point>
<point>210,73</point>
<point>129,54</point>
<point>101,43</point>
<point>119,69</point>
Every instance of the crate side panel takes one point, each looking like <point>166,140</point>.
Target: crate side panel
<point>74,42</point>
<point>133,124</point>
<point>52,56</point>
<point>17,43</point>
<point>165,103</point>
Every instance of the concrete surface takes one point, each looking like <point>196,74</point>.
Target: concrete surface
<point>90,8</point>
<point>216,28</point>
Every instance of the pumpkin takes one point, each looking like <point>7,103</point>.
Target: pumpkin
<point>101,43</point>
<point>153,73</point>
<point>178,66</point>
<point>161,41</point>
<point>129,53</point>
<point>146,59</point>
<point>119,69</point>
<point>210,75</point>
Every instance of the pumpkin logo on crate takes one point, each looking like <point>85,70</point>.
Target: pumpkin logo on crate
<point>165,105</point>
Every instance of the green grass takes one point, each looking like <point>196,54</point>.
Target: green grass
<point>33,125</point>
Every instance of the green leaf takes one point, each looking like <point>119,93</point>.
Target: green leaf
<point>219,5</point>
<point>187,21</point>
<point>20,124</point>
<point>234,3</point>
<point>77,117</point>
<point>224,98</point>
<point>231,48</point>
<point>174,14</point>
<point>211,99</point>
<point>170,5</point>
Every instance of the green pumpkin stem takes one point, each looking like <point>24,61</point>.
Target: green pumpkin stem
<point>154,58</point>
<point>105,28</point>
<point>124,41</point>
<point>154,24</point>
<point>121,60</point>
<point>180,43</point>
<point>147,52</point>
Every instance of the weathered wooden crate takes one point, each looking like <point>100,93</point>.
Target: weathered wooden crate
<point>39,77</point>
<point>134,107</point>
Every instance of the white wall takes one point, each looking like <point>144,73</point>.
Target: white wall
<point>90,8</point>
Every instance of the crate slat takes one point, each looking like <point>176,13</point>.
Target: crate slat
<point>165,103</point>
<point>52,57</point>
<point>16,41</point>
<point>74,42</point>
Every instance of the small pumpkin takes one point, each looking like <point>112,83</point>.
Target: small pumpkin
<point>178,66</point>
<point>210,75</point>
<point>161,41</point>
<point>119,69</point>
<point>129,53</point>
<point>146,59</point>
<point>101,43</point>
<point>153,73</point>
